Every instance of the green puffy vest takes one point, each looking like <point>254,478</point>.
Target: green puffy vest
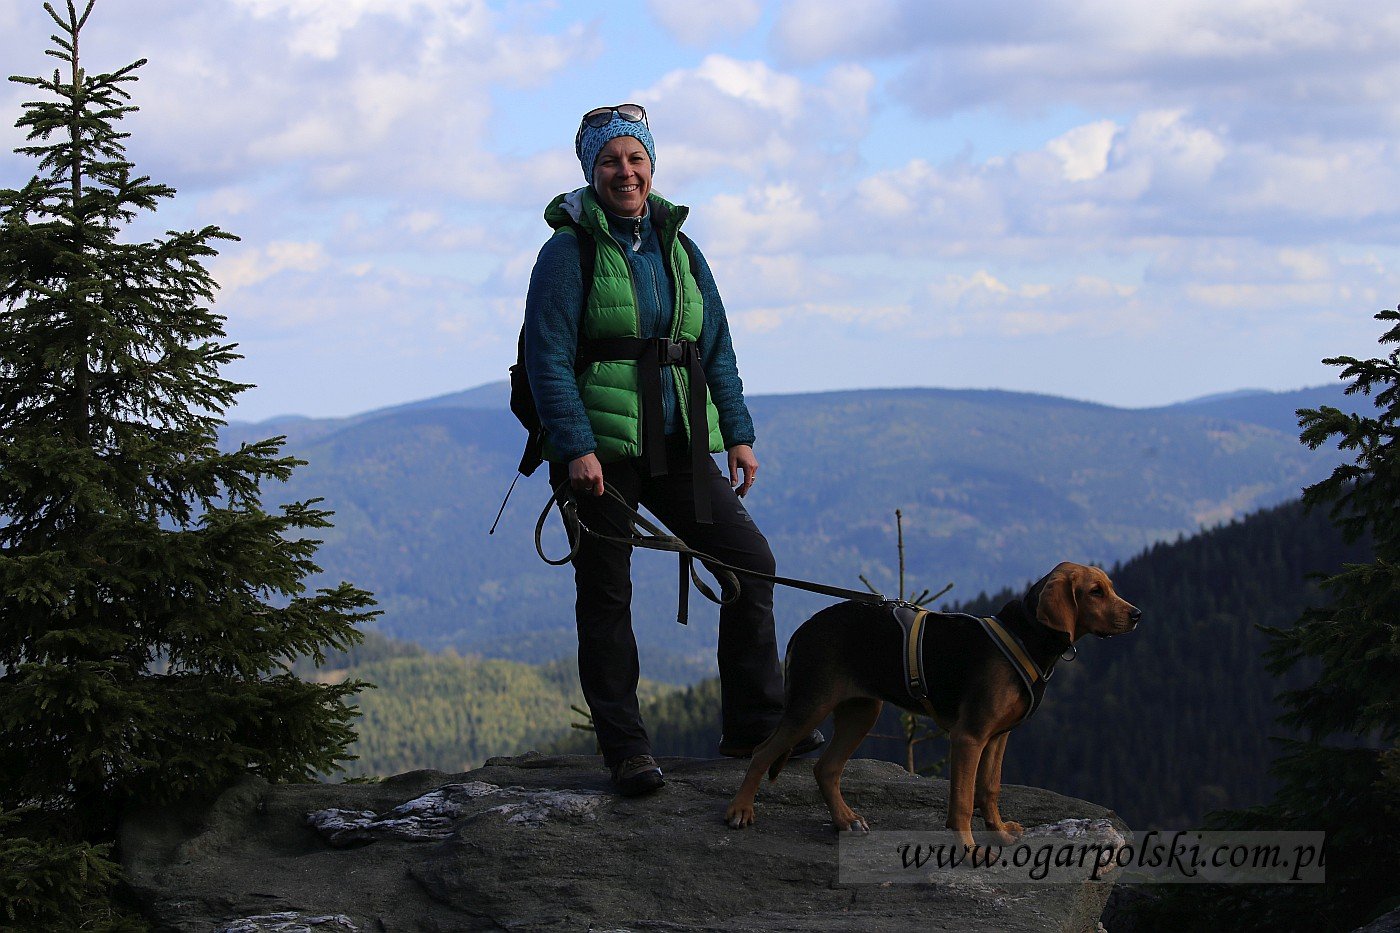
<point>609,389</point>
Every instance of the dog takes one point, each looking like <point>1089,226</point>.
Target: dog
<point>845,661</point>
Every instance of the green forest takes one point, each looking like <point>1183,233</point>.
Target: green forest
<point>451,713</point>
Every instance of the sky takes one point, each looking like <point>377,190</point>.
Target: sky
<point>1133,202</point>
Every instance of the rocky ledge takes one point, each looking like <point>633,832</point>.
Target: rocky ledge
<point>539,843</point>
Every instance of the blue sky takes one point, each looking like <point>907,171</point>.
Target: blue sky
<point>1129,202</point>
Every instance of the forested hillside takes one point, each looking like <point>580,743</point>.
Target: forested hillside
<point>1162,724</point>
<point>444,711</point>
<point>994,486</point>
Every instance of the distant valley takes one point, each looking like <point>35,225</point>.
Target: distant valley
<point>995,487</point>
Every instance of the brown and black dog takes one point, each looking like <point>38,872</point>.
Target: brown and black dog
<point>845,661</point>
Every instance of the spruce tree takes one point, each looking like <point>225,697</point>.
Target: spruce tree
<point>1343,776</point>
<point>149,604</point>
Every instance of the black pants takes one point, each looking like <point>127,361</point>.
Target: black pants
<point>751,682</point>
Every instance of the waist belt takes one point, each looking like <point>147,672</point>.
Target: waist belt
<point>651,354</point>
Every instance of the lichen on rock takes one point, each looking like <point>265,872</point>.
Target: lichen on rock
<point>291,922</point>
<point>434,816</point>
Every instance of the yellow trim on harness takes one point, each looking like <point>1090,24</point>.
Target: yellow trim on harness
<point>913,677</point>
<point>1014,647</point>
<point>915,641</point>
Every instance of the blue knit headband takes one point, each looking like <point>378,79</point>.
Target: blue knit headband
<point>594,138</point>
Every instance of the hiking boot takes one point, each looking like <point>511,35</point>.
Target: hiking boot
<point>636,776</point>
<point>741,749</point>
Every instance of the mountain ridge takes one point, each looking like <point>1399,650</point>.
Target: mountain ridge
<point>993,486</point>
<point>496,396</point>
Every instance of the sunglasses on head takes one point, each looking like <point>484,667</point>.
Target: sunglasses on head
<point>602,116</point>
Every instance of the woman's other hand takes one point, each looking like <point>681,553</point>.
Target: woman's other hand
<point>742,460</point>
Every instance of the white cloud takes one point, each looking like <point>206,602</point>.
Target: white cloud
<point>747,120</point>
<point>1173,151</point>
<point>768,219</point>
<point>1106,187</point>
<point>377,95</point>
<point>810,30</point>
<point>706,23</point>
<point>319,27</point>
<point>1084,149</point>
<point>981,303</point>
<point>775,318</point>
<point>1265,66</point>
<point>229,201</point>
<point>243,267</point>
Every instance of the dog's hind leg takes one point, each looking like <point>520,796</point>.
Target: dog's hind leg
<point>989,791</point>
<point>852,719</point>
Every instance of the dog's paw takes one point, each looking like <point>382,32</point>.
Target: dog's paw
<point>1008,832</point>
<point>739,815</point>
<point>851,822</point>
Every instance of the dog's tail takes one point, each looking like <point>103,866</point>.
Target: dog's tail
<point>777,767</point>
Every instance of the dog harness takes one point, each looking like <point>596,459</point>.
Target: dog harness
<point>913,621</point>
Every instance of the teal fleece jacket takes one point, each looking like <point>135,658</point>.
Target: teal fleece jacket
<point>554,308</point>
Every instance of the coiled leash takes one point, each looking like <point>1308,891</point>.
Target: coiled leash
<point>658,539</point>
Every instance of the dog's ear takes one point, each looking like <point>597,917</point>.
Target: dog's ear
<point>1057,607</point>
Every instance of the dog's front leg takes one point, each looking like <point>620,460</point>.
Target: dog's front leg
<point>965,751</point>
<point>989,792</point>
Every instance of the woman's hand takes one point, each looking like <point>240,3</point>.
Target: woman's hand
<point>741,459</point>
<point>586,474</point>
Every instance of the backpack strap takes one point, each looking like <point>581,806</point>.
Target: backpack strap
<point>522,400</point>
<point>587,255</point>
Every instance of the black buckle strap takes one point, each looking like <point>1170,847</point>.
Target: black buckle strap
<point>672,351</point>
<point>651,354</point>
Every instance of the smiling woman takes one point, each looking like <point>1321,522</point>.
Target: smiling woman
<point>635,380</point>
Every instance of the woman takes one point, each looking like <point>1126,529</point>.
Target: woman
<point>635,381</point>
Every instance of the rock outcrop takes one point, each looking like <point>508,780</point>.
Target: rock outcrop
<point>539,843</point>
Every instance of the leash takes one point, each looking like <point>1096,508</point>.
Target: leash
<point>910,617</point>
<point>657,539</point>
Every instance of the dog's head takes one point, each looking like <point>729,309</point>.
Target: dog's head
<point>1080,600</point>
